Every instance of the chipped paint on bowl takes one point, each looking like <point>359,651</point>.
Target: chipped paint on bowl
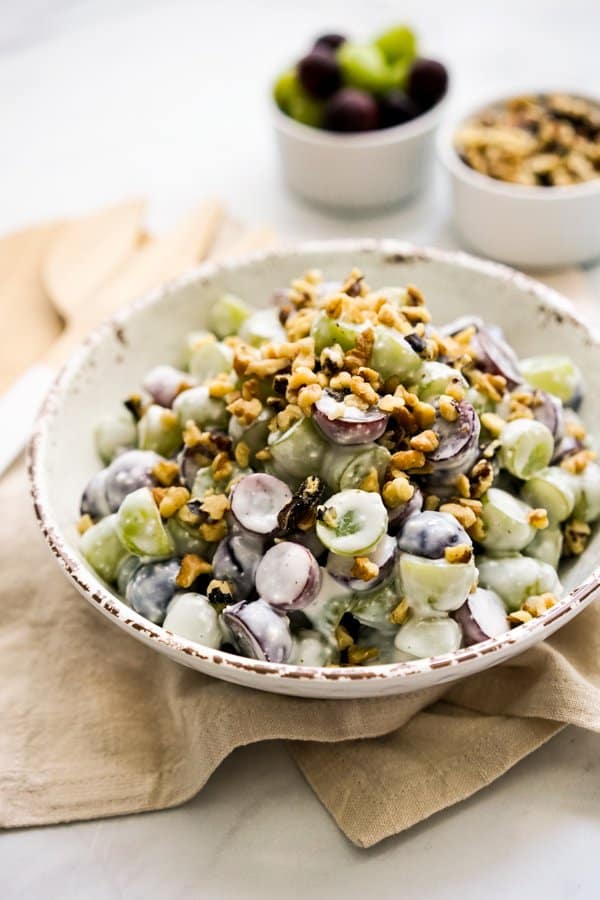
<point>114,358</point>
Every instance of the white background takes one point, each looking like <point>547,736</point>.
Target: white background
<point>169,99</point>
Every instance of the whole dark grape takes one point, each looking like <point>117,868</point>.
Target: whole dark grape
<point>351,110</point>
<point>319,74</point>
<point>329,41</point>
<point>427,82</point>
<point>396,108</point>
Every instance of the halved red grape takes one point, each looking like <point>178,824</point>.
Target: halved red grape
<point>566,446</point>
<point>494,354</point>
<point>319,73</point>
<point>288,576</point>
<point>93,500</point>
<point>344,424</point>
<point>259,631</point>
<point>349,110</point>
<point>164,383</point>
<point>384,554</point>
<point>458,440</point>
<point>152,587</point>
<point>428,534</point>
<point>257,500</point>
<point>427,82</point>
<point>547,409</point>
<point>396,108</point>
<point>482,616</point>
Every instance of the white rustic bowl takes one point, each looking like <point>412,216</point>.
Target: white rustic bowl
<point>357,172</point>
<point>115,357</point>
<point>532,227</point>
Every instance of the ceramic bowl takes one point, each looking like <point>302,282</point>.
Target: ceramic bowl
<point>357,172</point>
<point>532,227</point>
<point>114,359</point>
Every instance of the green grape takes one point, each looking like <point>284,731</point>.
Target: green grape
<point>392,355</point>
<point>434,379</point>
<point>364,66</point>
<point>255,436</point>
<point>553,373</point>
<point>429,637</point>
<point>297,452</point>
<point>103,549</point>
<point>526,447</point>
<point>113,434</point>
<point>186,538</point>
<point>587,506</point>
<point>398,44</point>
<point>306,110</point>
<point>196,404</point>
<point>285,89</point>
<point>434,584</point>
<point>554,490</point>
<point>159,430</point>
<point>506,522</point>
<point>347,467</point>
<point>353,522</point>
<point>261,326</point>
<point>546,546</point>
<point>516,577</point>
<point>227,315</point>
<point>140,526</point>
<point>205,482</point>
<point>327,332</point>
<point>373,608</point>
<point>210,359</point>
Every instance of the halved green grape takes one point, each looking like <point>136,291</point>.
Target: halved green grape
<point>434,379</point>
<point>434,584</point>
<point>364,66</point>
<point>506,521</point>
<point>299,450</point>
<point>347,467</point>
<point>284,90</point>
<point>327,331</point>
<point>587,506</point>
<point>140,526</point>
<point>398,43</point>
<point>546,546</point>
<point>516,577</point>
<point>227,315</point>
<point>159,430</point>
<point>197,405</point>
<point>393,355</point>
<point>191,616</point>
<point>352,522</point>
<point>210,359</point>
<point>480,402</point>
<point>553,489</point>
<point>193,341</point>
<point>429,637</point>
<point>114,434</point>
<point>326,610</point>
<point>261,326</point>
<point>526,447</point>
<point>554,373</point>
<point>102,547</point>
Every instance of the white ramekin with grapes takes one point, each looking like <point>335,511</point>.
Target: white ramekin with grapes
<point>336,480</point>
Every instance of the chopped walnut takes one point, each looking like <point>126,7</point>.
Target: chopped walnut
<point>215,505</point>
<point>170,500</point>
<point>371,481</point>
<point>538,605</point>
<point>448,408</point>
<point>577,463</point>
<point>459,553</point>
<point>247,411</point>
<point>538,518</point>
<point>397,492</point>
<point>426,441</point>
<point>357,656</point>
<point>408,459</point>
<point>576,535</point>
<point>492,423</point>
<point>364,568</point>
<point>481,478</point>
<point>166,472</point>
<point>308,396</point>
<point>192,567</point>
<point>463,486</point>
<point>399,614</point>
<point>343,638</point>
<point>242,454</point>
<point>465,516</point>
<point>84,523</point>
<point>519,617</point>
<point>213,532</point>
<point>431,502</point>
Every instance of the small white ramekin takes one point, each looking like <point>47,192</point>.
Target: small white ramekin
<point>357,172</point>
<point>532,227</point>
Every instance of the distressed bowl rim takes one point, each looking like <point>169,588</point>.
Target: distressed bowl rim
<point>93,589</point>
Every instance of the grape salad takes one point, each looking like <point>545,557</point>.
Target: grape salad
<point>335,480</point>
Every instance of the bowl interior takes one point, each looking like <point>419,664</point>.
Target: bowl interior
<point>114,359</point>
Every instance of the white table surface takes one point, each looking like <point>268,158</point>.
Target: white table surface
<point>103,98</point>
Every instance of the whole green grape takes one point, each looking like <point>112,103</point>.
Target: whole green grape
<point>398,43</point>
<point>364,66</point>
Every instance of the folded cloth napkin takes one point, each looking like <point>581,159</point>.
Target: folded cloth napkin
<point>95,724</point>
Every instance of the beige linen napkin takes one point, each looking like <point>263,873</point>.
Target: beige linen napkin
<point>94,724</point>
